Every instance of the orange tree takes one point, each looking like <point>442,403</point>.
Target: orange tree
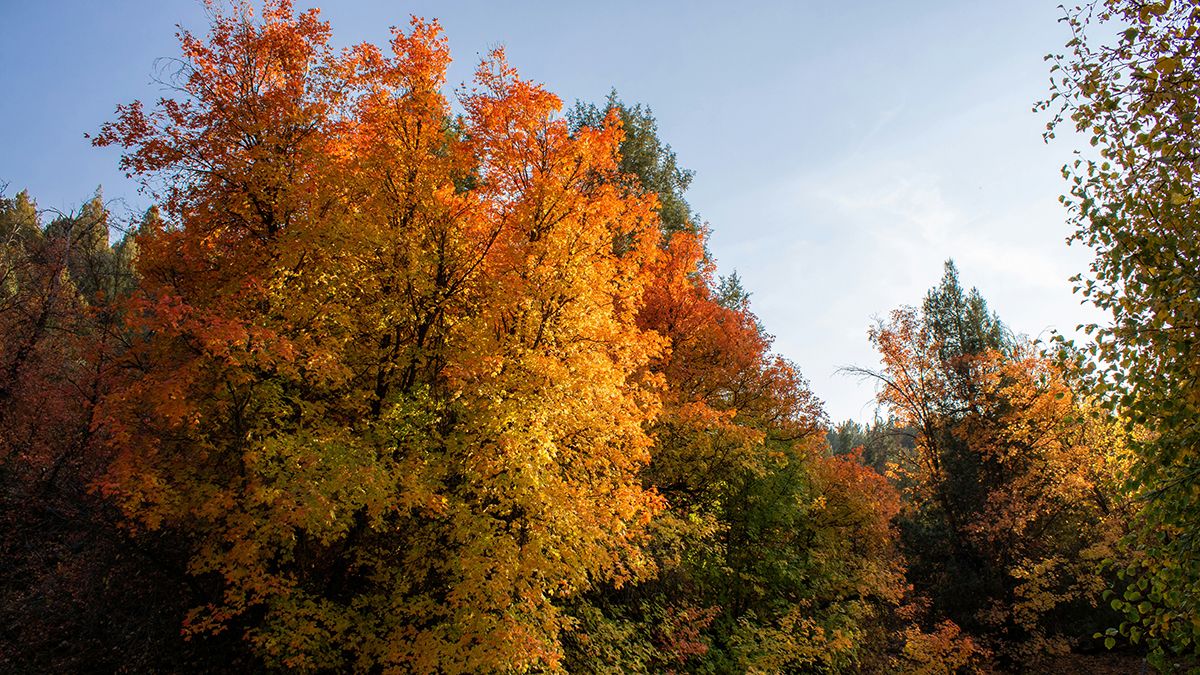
<point>792,550</point>
<point>389,378</point>
<point>771,556</point>
<point>1012,495</point>
<point>76,593</point>
<point>59,287</point>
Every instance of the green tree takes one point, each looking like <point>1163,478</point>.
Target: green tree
<point>649,165</point>
<point>960,324</point>
<point>882,441</point>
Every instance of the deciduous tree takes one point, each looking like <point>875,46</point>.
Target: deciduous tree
<point>390,379</point>
<point>1129,84</point>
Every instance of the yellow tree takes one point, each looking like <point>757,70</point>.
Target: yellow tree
<point>390,380</point>
<point>1130,82</point>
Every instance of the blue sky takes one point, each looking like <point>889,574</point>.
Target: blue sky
<point>842,150</point>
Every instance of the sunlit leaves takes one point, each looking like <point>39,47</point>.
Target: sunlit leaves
<point>1129,82</point>
<point>391,380</point>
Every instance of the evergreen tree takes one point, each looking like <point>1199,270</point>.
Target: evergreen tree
<point>649,164</point>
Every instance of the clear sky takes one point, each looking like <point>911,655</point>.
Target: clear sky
<point>842,150</point>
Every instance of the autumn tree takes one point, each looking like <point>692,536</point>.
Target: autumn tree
<point>391,380</point>
<point>1129,84</point>
<point>772,556</point>
<point>58,291</point>
<point>1012,486</point>
<point>738,458</point>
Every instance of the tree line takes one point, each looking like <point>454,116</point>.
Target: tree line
<point>390,382</point>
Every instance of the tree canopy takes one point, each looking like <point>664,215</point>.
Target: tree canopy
<point>393,379</point>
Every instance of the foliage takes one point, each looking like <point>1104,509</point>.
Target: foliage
<point>943,651</point>
<point>1012,486</point>
<point>58,314</point>
<point>76,593</point>
<point>396,390</point>
<point>390,379</point>
<point>782,557</point>
<point>647,164</point>
<point>882,441</point>
<point>382,386</point>
<point>1130,85</point>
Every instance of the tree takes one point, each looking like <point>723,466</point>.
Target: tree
<point>648,164</point>
<point>58,292</point>
<point>390,379</point>
<point>770,554</point>
<point>1012,485</point>
<point>881,442</point>
<point>76,592</point>
<point>1130,84</point>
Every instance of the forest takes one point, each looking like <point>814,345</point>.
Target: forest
<point>396,380</point>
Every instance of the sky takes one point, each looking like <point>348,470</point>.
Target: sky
<point>842,150</point>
